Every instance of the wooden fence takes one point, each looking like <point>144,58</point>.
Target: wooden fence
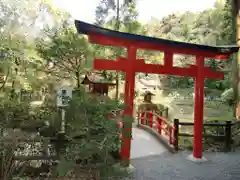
<point>226,133</point>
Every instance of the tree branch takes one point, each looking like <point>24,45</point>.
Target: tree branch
<point>5,81</point>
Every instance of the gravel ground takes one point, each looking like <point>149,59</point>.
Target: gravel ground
<point>219,166</point>
<point>152,162</point>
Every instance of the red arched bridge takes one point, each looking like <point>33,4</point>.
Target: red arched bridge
<point>152,135</point>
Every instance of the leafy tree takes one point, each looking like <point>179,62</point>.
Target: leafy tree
<point>20,64</point>
<point>212,27</point>
<point>123,19</point>
<point>66,54</point>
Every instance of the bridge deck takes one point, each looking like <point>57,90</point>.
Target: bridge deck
<point>144,144</point>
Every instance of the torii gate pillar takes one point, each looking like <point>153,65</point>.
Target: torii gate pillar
<point>198,109</point>
<point>128,100</point>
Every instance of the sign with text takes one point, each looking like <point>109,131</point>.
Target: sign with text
<point>64,94</point>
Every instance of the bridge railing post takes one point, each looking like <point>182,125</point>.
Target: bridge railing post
<point>150,119</point>
<point>176,132</point>
<point>159,120</point>
<point>228,136</point>
<point>171,135</point>
<point>138,117</point>
<point>142,117</point>
<point>166,112</point>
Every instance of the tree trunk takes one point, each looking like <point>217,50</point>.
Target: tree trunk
<point>5,81</point>
<point>117,29</point>
<point>78,79</point>
<point>236,60</point>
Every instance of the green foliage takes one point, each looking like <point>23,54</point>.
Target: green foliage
<point>227,23</point>
<point>227,96</point>
<point>68,52</point>
<point>91,136</point>
<point>64,166</point>
<point>8,168</point>
<point>13,113</point>
<point>87,117</point>
<point>211,27</point>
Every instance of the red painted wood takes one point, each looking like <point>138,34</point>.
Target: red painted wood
<point>168,59</point>
<point>103,64</point>
<point>128,99</point>
<point>110,41</point>
<point>198,109</point>
<point>131,65</point>
<point>140,66</point>
<point>209,73</point>
<point>150,119</point>
<point>159,120</point>
<point>142,116</point>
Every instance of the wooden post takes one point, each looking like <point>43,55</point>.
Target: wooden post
<point>150,119</point>
<point>171,131</point>
<point>176,132</point>
<point>143,117</point>
<point>166,112</point>
<point>228,136</point>
<point>236,82</point>
<point>117,26</point>
<point>198,109</point>
<point>159,120</point>
<point>128,100</point>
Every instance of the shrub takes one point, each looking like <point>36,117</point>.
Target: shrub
<point>86,120</point>
<point>14,113</point>
<point>91,137</point>
<point>227,96</point>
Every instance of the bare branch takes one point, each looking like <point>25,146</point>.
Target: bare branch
<point>5,81</point>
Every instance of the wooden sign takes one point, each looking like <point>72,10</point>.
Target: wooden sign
<point>63,95</point>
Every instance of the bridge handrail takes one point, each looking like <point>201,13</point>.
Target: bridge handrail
<point>161,123</point>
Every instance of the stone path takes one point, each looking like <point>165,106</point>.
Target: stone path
<point>151,161</point>
<point>220,166</point>
<point>144,144</point>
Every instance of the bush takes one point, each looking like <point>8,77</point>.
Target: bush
<point>227,96</point>
<point>14,114</point>
<point>87,119</point>
<point>90,136</point>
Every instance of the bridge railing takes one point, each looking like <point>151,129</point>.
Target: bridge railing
<point>159,125</point>
<point>226,133</point>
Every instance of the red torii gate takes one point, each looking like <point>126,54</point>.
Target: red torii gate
<point>130,65</point>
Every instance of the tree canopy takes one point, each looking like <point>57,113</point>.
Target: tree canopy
<point>47,44</point>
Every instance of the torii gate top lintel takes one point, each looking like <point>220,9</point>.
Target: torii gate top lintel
<point>115,38</point>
